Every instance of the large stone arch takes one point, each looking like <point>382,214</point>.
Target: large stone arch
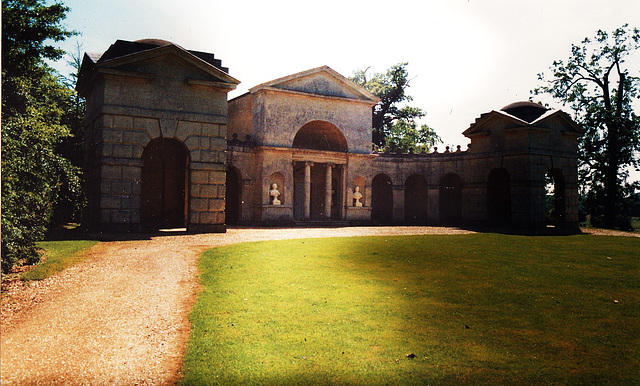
<point>320,135</point>
<point>164,184</point>
<point>415,199</point>
<point>555,197</point>
<point>450,199</point>
<point>382,199</point>
<point>499,196</point>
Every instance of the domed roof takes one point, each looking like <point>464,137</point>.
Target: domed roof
<point>525,110</point>
<point>154,42</point>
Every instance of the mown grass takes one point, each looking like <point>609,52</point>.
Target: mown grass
<point>481,308</point>
<point>58,255</point>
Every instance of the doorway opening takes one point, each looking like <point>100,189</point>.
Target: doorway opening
<point>415,200</point>
<point>164,184</point>
<point>450,199</point>
<point>554,198</point>
<point>499,196</point>
<point>381,200</point>
<point>233,196</point>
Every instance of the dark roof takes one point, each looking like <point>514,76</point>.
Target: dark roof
<point>525,110</point>
<point>122,48</point>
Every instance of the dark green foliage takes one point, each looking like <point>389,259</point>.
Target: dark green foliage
<point>394,123</point>
<point>71,147</point>
<point>35,178</point>
<point>601,91</point>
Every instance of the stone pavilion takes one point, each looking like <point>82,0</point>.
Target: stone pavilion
<point>166,148</point>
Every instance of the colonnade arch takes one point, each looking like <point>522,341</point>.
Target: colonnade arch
<point>382,199</point>
<point>415,200</point>
<point>164,182</point>
<point>555,197</point>
<point>450,199</point>
<point>317,191</point>
<point>233,196</point>
<point>499,196</point>
<point>320,135</point>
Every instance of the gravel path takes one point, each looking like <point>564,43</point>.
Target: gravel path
<point>121,317</point>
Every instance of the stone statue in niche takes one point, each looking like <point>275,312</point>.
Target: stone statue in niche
<point>274,193</point>
<point>357,196</point>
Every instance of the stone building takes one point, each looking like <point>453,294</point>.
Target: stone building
<point>165,148</point>
<point>155,136</point>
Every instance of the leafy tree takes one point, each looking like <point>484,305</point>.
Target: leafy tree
<point>595,83</point>
<point>71,147</point>
<point>394,121</point>
<point>34,103</point>
<point>405,135</point>
<point>69,205</point>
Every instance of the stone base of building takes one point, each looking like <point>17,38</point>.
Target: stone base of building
<point>359,215</point>
<point>277,214</point>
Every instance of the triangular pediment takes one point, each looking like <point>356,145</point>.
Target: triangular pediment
<point>321,81</point>
<point>173,53</point>
<point>560,117</point>
<point>500,118</point>
<point>491,119</point>
<point>147,63</point>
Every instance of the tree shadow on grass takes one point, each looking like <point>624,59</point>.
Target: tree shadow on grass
<point>523,231</point>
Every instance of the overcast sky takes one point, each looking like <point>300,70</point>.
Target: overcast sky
<point>466,57</point>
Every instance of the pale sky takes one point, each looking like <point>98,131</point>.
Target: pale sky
<point>466,57</point>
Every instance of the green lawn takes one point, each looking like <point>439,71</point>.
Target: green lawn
<point>58,255</point>
<point>480,308</point>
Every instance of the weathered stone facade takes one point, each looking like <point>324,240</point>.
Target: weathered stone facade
<point>499,180</point>
<point>155,142</point>
<point>309,134</point>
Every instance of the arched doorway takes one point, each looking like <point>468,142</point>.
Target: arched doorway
<point>233,196</point>
<point>320,135</point>
<point>554,198</point>
<point>164,184</point>
<point>415,200</point>
<point>381,199</point>
<point>499,196</point>
<point>450,199</point>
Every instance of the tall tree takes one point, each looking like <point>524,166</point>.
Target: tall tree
<point>34,102</point>
<point>394,122</point>
<point>597,85</point>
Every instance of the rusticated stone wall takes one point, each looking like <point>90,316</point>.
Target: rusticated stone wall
<point>158,92</point>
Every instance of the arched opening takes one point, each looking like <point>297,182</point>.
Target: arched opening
<point>320,135</point>
<point>233,196</point>
<point>415,200</point>
<point>381,200</point>
<point>554,198</point>
<point>499,196</point>
<point>450,199</point>
<point>164,184</point>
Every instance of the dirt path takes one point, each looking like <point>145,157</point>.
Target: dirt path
<point>121,317</point>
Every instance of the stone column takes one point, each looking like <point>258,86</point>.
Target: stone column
<point>307,190</point>
<point>327,192</point>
